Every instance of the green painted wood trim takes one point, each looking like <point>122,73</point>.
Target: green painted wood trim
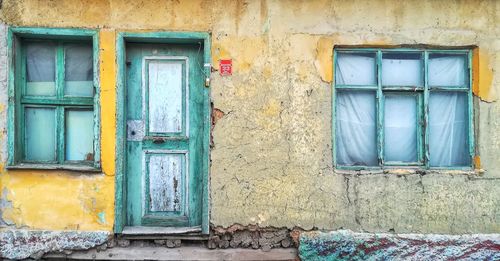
<point>356,87</point>
<point>426,109</point>
<point>380,111</point>
<point>207,100</point>
<point>15,110</point>
<point>167,36</point>
<point>12,53</point>
<point>472,144</point>
<point>75,101</point>
<point>60,126</point>
<point>120,161</point>
<point>53,33</point>
<point>160,37</point>
<point>163,221</point>
<point>334,111</point>
<point>448,50</point>
<point>97,107</point>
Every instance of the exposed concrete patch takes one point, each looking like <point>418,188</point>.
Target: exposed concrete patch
<point>347,245</point>
<point>19,244</point>
<point>4,204</point>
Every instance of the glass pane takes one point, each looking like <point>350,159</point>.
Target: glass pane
<point>79,135</point>
<point>400,128</point>
<point>40,134</point>
<point>165,86</point>
<point>356,132</point>
<point>355,69</point>
<point>447,69</point>
<point>402,69</point>
<point>78,70</point>
<point>40,69</point>
<point>448,125</point>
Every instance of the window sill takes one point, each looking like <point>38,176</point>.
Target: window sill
<point>32,166</point>
<point>409,171</point>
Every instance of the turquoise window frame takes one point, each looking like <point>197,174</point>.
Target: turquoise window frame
<point>422,112</point>
<point>16,37</point>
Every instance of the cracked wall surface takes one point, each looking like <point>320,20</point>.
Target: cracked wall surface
<point>271,159</point>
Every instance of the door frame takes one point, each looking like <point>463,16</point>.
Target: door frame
<point>120,162</point>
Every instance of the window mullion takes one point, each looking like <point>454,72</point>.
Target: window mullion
<point>380,111</point>
<point>426,109</point>
<point>60,109</point>
<point>60,129</point>
<point>60,71</point>
<point>470,110</point>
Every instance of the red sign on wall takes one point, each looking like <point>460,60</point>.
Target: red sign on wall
<point>226,67</point>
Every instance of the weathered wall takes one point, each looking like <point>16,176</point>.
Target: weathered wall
<point>59,200</point>
<point>271,160</point>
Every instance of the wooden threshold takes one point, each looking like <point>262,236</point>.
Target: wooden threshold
<point>141,232</point>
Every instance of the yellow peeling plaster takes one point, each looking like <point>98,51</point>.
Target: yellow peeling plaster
<point>483,76</point>
<point>56,200</point>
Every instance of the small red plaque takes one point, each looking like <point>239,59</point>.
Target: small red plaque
<point>226,67</point>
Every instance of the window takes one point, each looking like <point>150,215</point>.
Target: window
<point>402,107</point>
<point>54,112</point>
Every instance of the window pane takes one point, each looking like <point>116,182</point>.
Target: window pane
<point>356,132</point>
<point>78,70</point>
<point>355,69</point>
<point>166,94</point>
<point>447,69</point>
<point>400,128</point>
<point>402,69</point>
<point>448,135</point>
<point>40,134</point>
<point>79,135</point>
<point>40,69</point>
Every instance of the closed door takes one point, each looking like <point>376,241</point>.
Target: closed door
<point>164,135</point>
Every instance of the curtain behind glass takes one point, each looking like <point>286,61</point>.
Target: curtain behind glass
<point>402,69</point>
<point>355,69</point>
<point>400,128</point>
<point>356,133</point>
<point>447,70</point>
<point>448,136</point>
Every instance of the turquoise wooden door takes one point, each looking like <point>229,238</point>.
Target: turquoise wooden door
<point>165,97</point>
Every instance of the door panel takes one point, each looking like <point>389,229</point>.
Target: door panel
<point>164,135</point>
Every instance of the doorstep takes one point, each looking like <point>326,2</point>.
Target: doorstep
<point>199,252</point>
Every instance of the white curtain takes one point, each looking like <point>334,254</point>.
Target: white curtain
<point>40,62</point>
<point>446,70</point>
<point>78,65</point>
<point>448,137</point>
<point>401,72</point>
<point>400,128</point>
<point>355,69</point>
<point>356,133</point>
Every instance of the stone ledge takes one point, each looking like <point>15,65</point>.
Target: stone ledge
<point>348,245</point>
<point>20,244</point>
<point>181,253</point>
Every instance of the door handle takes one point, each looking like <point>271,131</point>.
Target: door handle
<point>157,140</point>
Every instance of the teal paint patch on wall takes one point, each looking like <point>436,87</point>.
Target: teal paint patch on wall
<point>101,217</point>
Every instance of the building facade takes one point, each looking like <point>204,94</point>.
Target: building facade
<point>372,116</point>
